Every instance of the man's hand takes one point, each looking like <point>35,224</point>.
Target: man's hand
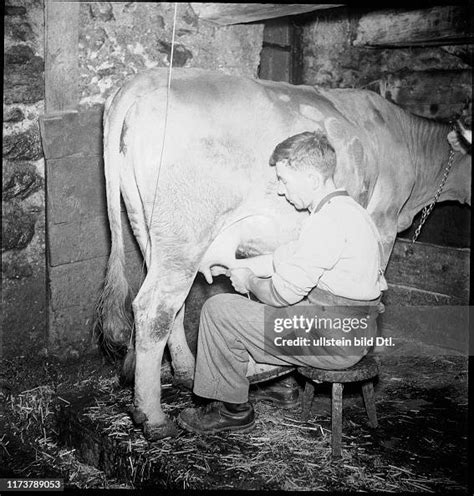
<point>240,279</point>
<point>455,142</point>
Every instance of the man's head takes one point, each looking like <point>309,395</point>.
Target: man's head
<point>305,165</point>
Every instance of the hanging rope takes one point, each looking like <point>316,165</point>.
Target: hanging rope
<point>155,195</point>
<point>168,88</point>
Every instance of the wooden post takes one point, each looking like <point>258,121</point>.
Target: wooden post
<point>369,401</point>
<point>61,55</point>
<point>307,401</point>
<point>336,407</point>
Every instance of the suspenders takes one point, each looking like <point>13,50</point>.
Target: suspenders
<point>327,198</point>
<point>375,231</point>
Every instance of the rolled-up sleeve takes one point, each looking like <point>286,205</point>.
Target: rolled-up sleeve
<point>300,264</point>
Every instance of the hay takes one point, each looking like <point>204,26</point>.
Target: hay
<point>32,419</point>
<point>282,452</point>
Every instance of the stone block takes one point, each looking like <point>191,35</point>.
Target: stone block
<point>14,10</point>
<point>18,226</point>
<point>19,54</point>
<point>190,18</point>
<point>25,145</point>
<point>102,11</point>
<point>23,78</point>
<point>72,133</point>
<point>16,266</point>
<point>75,189</point>
<point>20,31</point>
<point>85,239</point>
<point>20,180</point>
<point>13,115</point>
<point>180,55</point>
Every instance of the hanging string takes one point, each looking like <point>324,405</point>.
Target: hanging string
<point>168,88</point>
<point>165,124</point>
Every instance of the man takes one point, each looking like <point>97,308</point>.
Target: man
<point>335,261</point>
<point>460,138</point>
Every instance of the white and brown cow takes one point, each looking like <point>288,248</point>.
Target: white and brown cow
<point>216,193</point>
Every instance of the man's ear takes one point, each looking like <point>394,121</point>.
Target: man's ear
<point>316,179</point>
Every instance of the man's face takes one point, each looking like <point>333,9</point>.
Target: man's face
<point>297,186</point>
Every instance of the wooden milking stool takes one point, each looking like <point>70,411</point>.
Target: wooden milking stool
<point>364,371</point>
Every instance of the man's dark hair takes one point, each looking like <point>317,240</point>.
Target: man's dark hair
<point>307,151</point>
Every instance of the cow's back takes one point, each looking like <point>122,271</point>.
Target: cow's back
<point>221,131</point>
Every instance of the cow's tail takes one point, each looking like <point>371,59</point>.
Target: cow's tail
<point>114,321</point>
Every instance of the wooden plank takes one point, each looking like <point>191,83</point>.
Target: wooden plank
<point>433,110</point>
<point>75,188</point>
<point>437,269</point>
<point>444,326</point>
<point>83,240</point>
<point>78,284</point>
<point>399,295</point>
<point>72,133</point>
<point>440,25</point>
<point>277,32</point>
<point>275,64</point>
<point>237,13</point>
<point>61,55</point>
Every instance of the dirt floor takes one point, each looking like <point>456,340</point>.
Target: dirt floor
<point>69,419</point>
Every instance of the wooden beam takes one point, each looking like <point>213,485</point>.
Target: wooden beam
<point>442,25</point>
<point>61,55</point>
<point>436,269</point>
<point>237,13</point>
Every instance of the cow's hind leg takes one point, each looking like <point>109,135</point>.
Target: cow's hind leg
<point>155,308</point>
<point>181,356</point>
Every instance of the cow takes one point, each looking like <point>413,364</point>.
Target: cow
<point>191,163</point>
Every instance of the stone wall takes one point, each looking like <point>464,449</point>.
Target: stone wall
<point>23,218</point>
<point>118,40</point>
<point>434,82</point>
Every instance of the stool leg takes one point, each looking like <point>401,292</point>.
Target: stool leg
<point>307,400</point>
<point>369,400</point>
<point>336,406</point>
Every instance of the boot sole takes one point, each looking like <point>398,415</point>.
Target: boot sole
<point>244,428</point>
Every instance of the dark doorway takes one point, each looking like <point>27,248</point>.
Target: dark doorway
<point>280,58</point>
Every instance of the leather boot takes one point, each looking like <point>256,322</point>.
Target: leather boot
<point>283,393</point>
<point>216,417</point>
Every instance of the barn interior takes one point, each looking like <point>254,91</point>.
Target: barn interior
<point>66,415</point>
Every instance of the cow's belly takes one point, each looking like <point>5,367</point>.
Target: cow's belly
<point>250,236</point>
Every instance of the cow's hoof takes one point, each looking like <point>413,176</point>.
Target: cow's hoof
<point>156,432</point>
<point>183,381</point>
<point>137,415</point>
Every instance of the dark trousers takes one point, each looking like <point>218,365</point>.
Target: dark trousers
<point>232,329</point>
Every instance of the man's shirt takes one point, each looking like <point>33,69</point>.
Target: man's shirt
<point>337,251</point>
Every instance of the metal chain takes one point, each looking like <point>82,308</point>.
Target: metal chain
<point>427,210</point>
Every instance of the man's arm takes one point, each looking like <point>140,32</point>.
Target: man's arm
<point>261,266</point>
<point>244,280</point>
<point>264,290</point>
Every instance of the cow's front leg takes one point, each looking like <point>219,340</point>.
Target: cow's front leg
<point>181,356</point>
